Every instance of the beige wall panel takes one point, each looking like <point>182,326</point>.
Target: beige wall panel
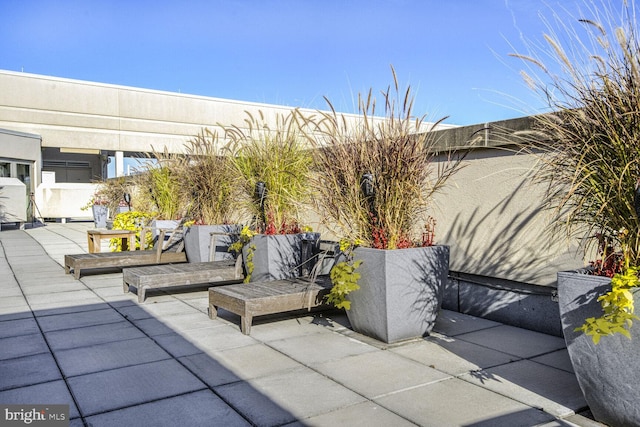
<point>56,118</point>
<point>490,216</point>
<point>159,127</point>
<point>179,108</point>
<point>144,142</point>
<point>16,146</point>
<point>47,93</point>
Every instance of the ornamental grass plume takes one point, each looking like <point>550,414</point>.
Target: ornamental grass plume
<point>276,156</point>
<point>159,185</point>
<point>375,176</point>
<point>589,144</point>
<point>207,180</point>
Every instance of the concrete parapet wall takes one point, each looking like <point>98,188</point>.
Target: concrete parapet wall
<point>64,200</point>
<point>517,304</point>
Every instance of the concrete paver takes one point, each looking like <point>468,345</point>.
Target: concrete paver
<point>92,335</point>
<point>14,328</point>
<point>377,373</point>
<point>111,355</point>
<point>165,362</point>
<point>453,356</point>
<point>515,341</point>
<point>175,411</point>
<point>22,345</point>
<point>455,402</point>
<point>297,394</point>
<point>28,370</point>
<point>124,387</point>
<point>365,414</point>
<point>549,388</point>
<point>92,315</point>
<point>320,347</point>
<point>53,392</point>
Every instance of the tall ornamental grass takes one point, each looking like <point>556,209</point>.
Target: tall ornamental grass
<point>589,77</point>
<point>374,176</point>
<point>208,180</point>
<point>159,186</point>
<point>276,156</point>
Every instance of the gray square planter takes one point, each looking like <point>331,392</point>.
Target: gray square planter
<point>609,372</point>
<point>400,292</point>
<point>275,257</point>
<point>197,242</point>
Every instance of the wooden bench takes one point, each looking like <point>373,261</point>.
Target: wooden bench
<point>176,275</point>
<point>260,298</point>
<point>119,260</point>
<point>171,252</point>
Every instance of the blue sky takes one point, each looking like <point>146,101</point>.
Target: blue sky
<point>453,53</point>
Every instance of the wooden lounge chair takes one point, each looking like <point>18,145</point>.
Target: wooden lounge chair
<point>278,296</point>
<point>171,251</point>
<point>179,275</point>
<point>260,298</point>
<point>183,275</point>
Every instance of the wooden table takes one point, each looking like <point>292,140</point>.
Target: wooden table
<point>95,236</point>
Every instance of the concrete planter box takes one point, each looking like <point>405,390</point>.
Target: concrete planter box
<point>275,257</point>
<point>197,242</point>
<point>400,292</point>
<point>608,373</point>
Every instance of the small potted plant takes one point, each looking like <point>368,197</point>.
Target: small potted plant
<point>99,206</point>
<point>273,166</point>
<point>374,180</point>
<point>590,162</point>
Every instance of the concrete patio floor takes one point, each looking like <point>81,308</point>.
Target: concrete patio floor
<point>165,363</point>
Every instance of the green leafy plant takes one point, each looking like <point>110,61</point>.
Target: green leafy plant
<point>159,185</point>
<point>131,220</point>
<point>277,158</point>
<point>344,275</point>
<point>394,158</point>
<point>618,308</point>
<point>246,234</point>
<point>588,147</point>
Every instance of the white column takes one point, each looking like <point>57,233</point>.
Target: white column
<point>119,163</point>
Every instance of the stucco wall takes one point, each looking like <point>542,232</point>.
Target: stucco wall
<point>490,214</point>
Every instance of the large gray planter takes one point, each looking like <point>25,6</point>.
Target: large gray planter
<point>400,292</point>
<point>197,242</point>
<point>275,257</point>
<point>609,372</point>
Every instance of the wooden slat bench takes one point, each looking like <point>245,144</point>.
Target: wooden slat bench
<point>169,252</point>
<point>80,262</point>
<point>260,298</point>
<point>176,275</point>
